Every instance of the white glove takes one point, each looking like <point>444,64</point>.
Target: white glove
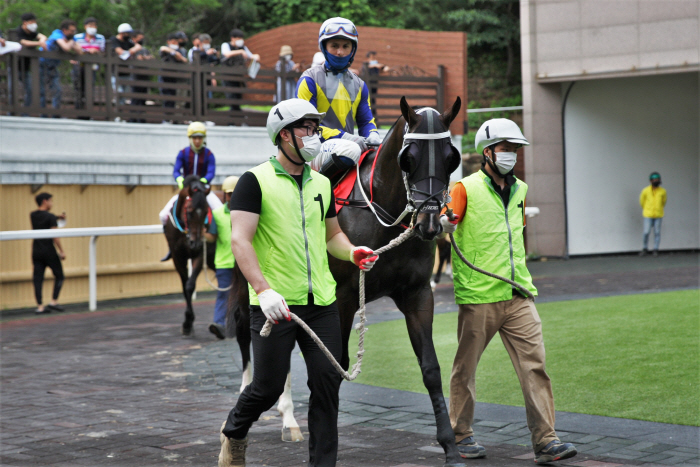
<point>273,306</point>
<point>449,226</point>
<point>356,139</point>
<point>373,139</point>
<point>363,257</point>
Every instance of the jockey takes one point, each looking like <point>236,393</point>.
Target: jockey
<point>332,88</point>
<point>194,159</point>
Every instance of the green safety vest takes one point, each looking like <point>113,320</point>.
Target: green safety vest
<point>224,255</point>
<point>290,240</point>
<point>490,237</point>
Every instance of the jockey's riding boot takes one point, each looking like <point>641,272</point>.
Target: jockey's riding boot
<point>335,167</point>
<point>232,450</point>
<point>168,256</point>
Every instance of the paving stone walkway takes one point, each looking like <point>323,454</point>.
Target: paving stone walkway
<point>121,387</point>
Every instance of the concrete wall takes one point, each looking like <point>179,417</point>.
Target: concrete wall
<point>618,131</point>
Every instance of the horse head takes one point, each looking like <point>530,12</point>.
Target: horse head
<point>196,209</point>
<point>427,159</point>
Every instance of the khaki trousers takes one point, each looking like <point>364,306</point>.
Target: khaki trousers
<point>520,328</point>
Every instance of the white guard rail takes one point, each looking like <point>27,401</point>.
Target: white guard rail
<point>93,233</point>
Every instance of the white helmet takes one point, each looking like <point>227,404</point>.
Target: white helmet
<point>319,59</point>
<point>287,112</point>
<point>496,130</point>
<point>337,27</point>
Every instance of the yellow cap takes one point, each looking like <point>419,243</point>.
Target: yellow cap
<point>196,129</point>
<point>229,184</point>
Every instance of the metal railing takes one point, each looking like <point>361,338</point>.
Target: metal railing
<point>93,233</point>
<point>105,87</point>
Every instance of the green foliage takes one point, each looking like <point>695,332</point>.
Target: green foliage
<point>630,356</point>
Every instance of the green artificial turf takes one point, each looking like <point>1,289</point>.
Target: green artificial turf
<point>630,356</point>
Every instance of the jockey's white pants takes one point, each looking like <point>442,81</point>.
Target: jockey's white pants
<point>340,147</point>
<point>213,201</point>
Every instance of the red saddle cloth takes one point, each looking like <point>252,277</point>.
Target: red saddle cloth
<point>345,186</point>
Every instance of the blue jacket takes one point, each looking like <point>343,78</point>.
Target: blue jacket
<point>187,160</point>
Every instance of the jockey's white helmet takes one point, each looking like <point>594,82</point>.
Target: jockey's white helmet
<point>337,27</point>
<point>288,112</point>
<point>496,130</point>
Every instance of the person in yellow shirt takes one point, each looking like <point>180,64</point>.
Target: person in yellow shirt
<point>652,199</point>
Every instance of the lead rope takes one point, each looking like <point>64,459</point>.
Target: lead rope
<point>357,367</point>
<point>206,270</point>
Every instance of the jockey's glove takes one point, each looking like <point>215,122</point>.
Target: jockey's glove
<point>273,306</point>
<point>204,180</point>
<point>374,139</point>
<point>449,225</point>
<point>355,139</point>
<point>363,257</point>
<point>180,181</point>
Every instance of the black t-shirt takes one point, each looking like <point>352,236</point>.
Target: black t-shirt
<point>115,42</point>
<point>42,220</point>
<point>247,195</point>
<point>27,36</point>
<point>505,192</point>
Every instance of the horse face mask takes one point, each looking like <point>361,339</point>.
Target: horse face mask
<point>427,159</point>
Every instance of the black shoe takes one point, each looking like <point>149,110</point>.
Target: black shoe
<point>166,257</point>
<point>555,451</point>
<point>643,252</point>
<point>218,330</point>
<point>56,308</point>
<point>45,311</point>
<point>655,253</point>
<point>469,449</point>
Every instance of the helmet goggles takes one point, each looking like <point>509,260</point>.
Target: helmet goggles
<point>333,29</point>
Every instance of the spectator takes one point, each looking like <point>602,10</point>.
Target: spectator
<point>30,39</point>
<point>142,54</point>
<point>60,40</point>
<point>171,53</point>
<point>44,253</point>
<point>290,84</point>
<point>373,68</point>
<point>125,48</point>
<point>235,54</point>
<point>652,199</point>
<point>91,43</point>
<point>205,53</point>
<point>196,47</point>
<point>181,39</point>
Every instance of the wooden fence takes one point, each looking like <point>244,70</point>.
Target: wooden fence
<point>106,87</point>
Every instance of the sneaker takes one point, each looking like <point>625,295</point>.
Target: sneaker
<point>232,450</point>
<point>655,253</point>
<point>45,311</point>
<point>555,451</point>
<point>57,308</point>
<point>643,253</point>
<point>470,449</point>
<point>218,330</point>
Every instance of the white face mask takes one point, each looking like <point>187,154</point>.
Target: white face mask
<point>206,46</point>
<point>32,27</point>
<point>312,146</point>
<point>174,46</point>
<point>287,57</point>
<point>91,31</point>
<point>239,43</point>
<point>505,161</point>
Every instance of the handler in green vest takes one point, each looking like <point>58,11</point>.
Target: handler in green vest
<point>223,259</point>
<point>283,225</point>
<point>488,222</point>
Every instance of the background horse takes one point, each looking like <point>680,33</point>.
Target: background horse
<point>183,231</point>
<point>403,273</point>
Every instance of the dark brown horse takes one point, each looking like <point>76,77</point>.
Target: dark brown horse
<point>183,231</point>
<point>423,164</point>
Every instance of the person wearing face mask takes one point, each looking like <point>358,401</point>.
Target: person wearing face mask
<point>60,40</point>
<point>283,226</point>
<point>171,53</point>
<point>652,199</point>
<point>91,43</point>
<point>235,54</point>
<point>290,83</point>
<point>123,46</point>
<point>488,220</point>
<point>29,37</point>
<point>332,88</point>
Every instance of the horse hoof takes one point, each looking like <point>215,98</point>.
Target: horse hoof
<point>187,331</point>
<point>292,435</point>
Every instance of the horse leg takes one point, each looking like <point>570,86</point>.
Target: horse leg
<point>417,306</point>
<point>290,428</point>
<point>187,328</point>
<point>180,260</point>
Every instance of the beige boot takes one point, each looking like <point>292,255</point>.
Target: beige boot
<point>232,450</point>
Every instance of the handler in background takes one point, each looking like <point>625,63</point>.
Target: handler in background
<point>489,208</point>
<point>223,259</point>
<point>283,223</point>
<point>652,199</point>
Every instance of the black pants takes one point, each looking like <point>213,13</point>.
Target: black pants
<point>271,365</point>
<point>41,260</point>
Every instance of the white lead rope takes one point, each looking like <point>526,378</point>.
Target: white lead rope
<point>357,367</point>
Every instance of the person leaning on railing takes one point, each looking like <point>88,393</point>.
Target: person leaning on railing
<point>141,55</point>
<point>29,38</point>
<point>235,53</point>
<point>171,53</point>
<point>60,40</point>
<point>91,43</point>
<point>124,48</point>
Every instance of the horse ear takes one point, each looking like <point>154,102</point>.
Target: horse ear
<point>408,113</point>
<point>449,116</point>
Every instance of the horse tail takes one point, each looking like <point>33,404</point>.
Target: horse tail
<point>238,314</point>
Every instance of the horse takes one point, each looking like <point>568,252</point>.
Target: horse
<point>184,235</point>
<point>444,249</point>
<point>419,142</point>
